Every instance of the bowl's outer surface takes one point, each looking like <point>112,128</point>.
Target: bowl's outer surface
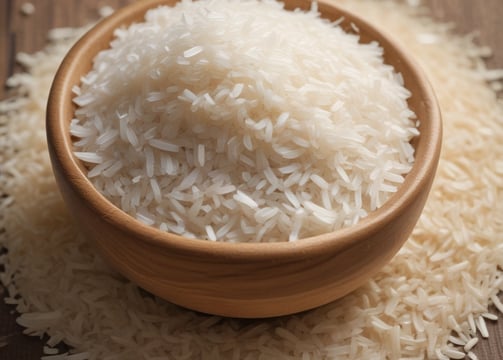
<point>241,280</point>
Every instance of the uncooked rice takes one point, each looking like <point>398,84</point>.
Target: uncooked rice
<point>303,122</point>
<point>415,308</point>
<point>27,9</point>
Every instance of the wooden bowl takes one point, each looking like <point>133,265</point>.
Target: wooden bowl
<point>242,280</point>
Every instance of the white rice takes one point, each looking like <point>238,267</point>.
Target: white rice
<point>282,103</point>
<point>63,288</point>
<point>27,9</point>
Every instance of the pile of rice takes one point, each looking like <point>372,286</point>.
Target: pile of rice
<point>432,301</point>
<point>241,121</point>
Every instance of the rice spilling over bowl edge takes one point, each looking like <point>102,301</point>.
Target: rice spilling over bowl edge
<point>241,121</point>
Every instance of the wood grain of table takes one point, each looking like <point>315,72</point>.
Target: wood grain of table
<point>20,32</point>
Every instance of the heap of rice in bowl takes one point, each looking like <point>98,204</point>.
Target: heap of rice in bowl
<point>241,121</point>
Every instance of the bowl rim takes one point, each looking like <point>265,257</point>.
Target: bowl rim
<point>60,112</point>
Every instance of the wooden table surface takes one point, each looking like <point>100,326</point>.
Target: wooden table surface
<point>19,32</point>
